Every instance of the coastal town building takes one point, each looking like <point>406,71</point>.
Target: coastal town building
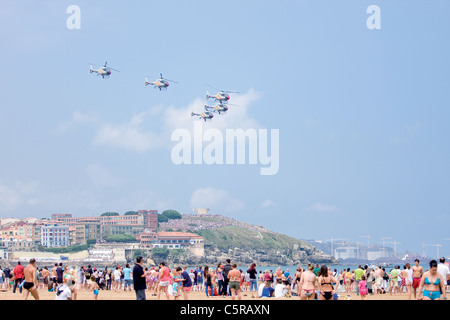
<point>173,240</point>
<point>54,235</point>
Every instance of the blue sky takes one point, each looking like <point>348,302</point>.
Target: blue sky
<point>362,114</point>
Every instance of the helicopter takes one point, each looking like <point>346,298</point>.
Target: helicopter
<point>104,71</point>
<point>219,107</point>
<point>222,96</point>
<point>206,115</point>
<point>161,83</point>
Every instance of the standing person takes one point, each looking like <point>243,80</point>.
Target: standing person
<point>219,272</point>
<point>298,276</point>
<point>325,282</point>
<point>308,283</point>
<point>417,276</point>
<point>432,283</point>
<point>59,274</point>
<point>108,279</point>
<point>2,278</point>
<point>164,280</point>
<point>87,276</point>
<point>393,275</point>
<point>139,279</point>
<point>379,274</point>
<point>94,287</point>
<point>117,274</point>
<point>226,268</point>
<point>348,281</point>
<point>358,273</point>
<point>18,276</point>
<point>200,279</point>
<point>127,277</point>
<point>31,283</point>
<point>208,282</point>
<point>444,271</point>
<point>253,281</point>
<point>80,277</point>
<point>187,283</point>
<point>234,277</point>
<point>409,279</point>
<point>8,275</point>
<point>362,287</point>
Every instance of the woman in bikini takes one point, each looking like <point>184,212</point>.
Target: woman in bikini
<point>298,276</point>
<point>307,283</point>
<point>432,283</point>
<point>325,281</point>
<point>348,281</point>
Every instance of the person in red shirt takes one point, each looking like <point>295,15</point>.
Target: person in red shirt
<point>18,276</point>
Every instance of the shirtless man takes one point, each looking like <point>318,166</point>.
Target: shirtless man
<point>30,284</point>
<point>417,276</point>
<point>54,275</point>
<point>45,277</point>
<point>308,284</point>
<point>234,276</point>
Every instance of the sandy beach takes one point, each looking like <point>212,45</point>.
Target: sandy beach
<point>195,295</point>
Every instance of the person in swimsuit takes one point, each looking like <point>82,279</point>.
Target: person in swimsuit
<point>94,287</point>
<point>164,280</point>
<point>416,277</point>
<point>432,283</point>
<point>31,283</point>
<point>234,276</point>
<point>307,282</point>
<point>362,287</point>
<point>298,276</point>
<point>325,281</point>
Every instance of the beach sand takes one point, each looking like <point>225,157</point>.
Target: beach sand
<point>195,295</point>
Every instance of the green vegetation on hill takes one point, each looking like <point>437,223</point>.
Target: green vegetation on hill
<point>239,237</point>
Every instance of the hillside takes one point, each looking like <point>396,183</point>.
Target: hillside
<point>227,236</point>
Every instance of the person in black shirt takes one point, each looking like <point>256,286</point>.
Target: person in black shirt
<point>59,274</point>
<point>253,281</point>
<point>226,269</point>
<point>139,279</point>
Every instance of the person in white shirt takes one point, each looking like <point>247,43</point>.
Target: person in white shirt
<point>280,289</point>
<point>444,271</point>
<point>64,291</point>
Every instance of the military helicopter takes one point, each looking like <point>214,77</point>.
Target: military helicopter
<point>161,83</point>
<point>104,71</point>
<point>220,108</point>
<point>206,115</point>
<point>222,96</point>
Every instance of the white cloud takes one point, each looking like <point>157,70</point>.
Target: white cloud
<point>267,203</point>
<point>130,135</point>
<point>12,197</point>
<point>218,200</point>
<point>320,207</point>
<point>140,135</point>
<point>78,117</point>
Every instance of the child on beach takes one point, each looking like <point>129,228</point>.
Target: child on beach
<point>94,287</point>
<point>363,287</point>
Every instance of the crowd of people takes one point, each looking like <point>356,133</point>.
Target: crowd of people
<point>225,280</point>
<point>191,222</point>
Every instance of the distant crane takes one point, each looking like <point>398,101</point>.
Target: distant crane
<point>395,246</point>
<point>368,239</point>
<point>437,245</point>
<point>332,241</point>
<point>383,239</point>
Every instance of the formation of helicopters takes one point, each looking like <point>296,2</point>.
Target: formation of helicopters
<point>221,97</point>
